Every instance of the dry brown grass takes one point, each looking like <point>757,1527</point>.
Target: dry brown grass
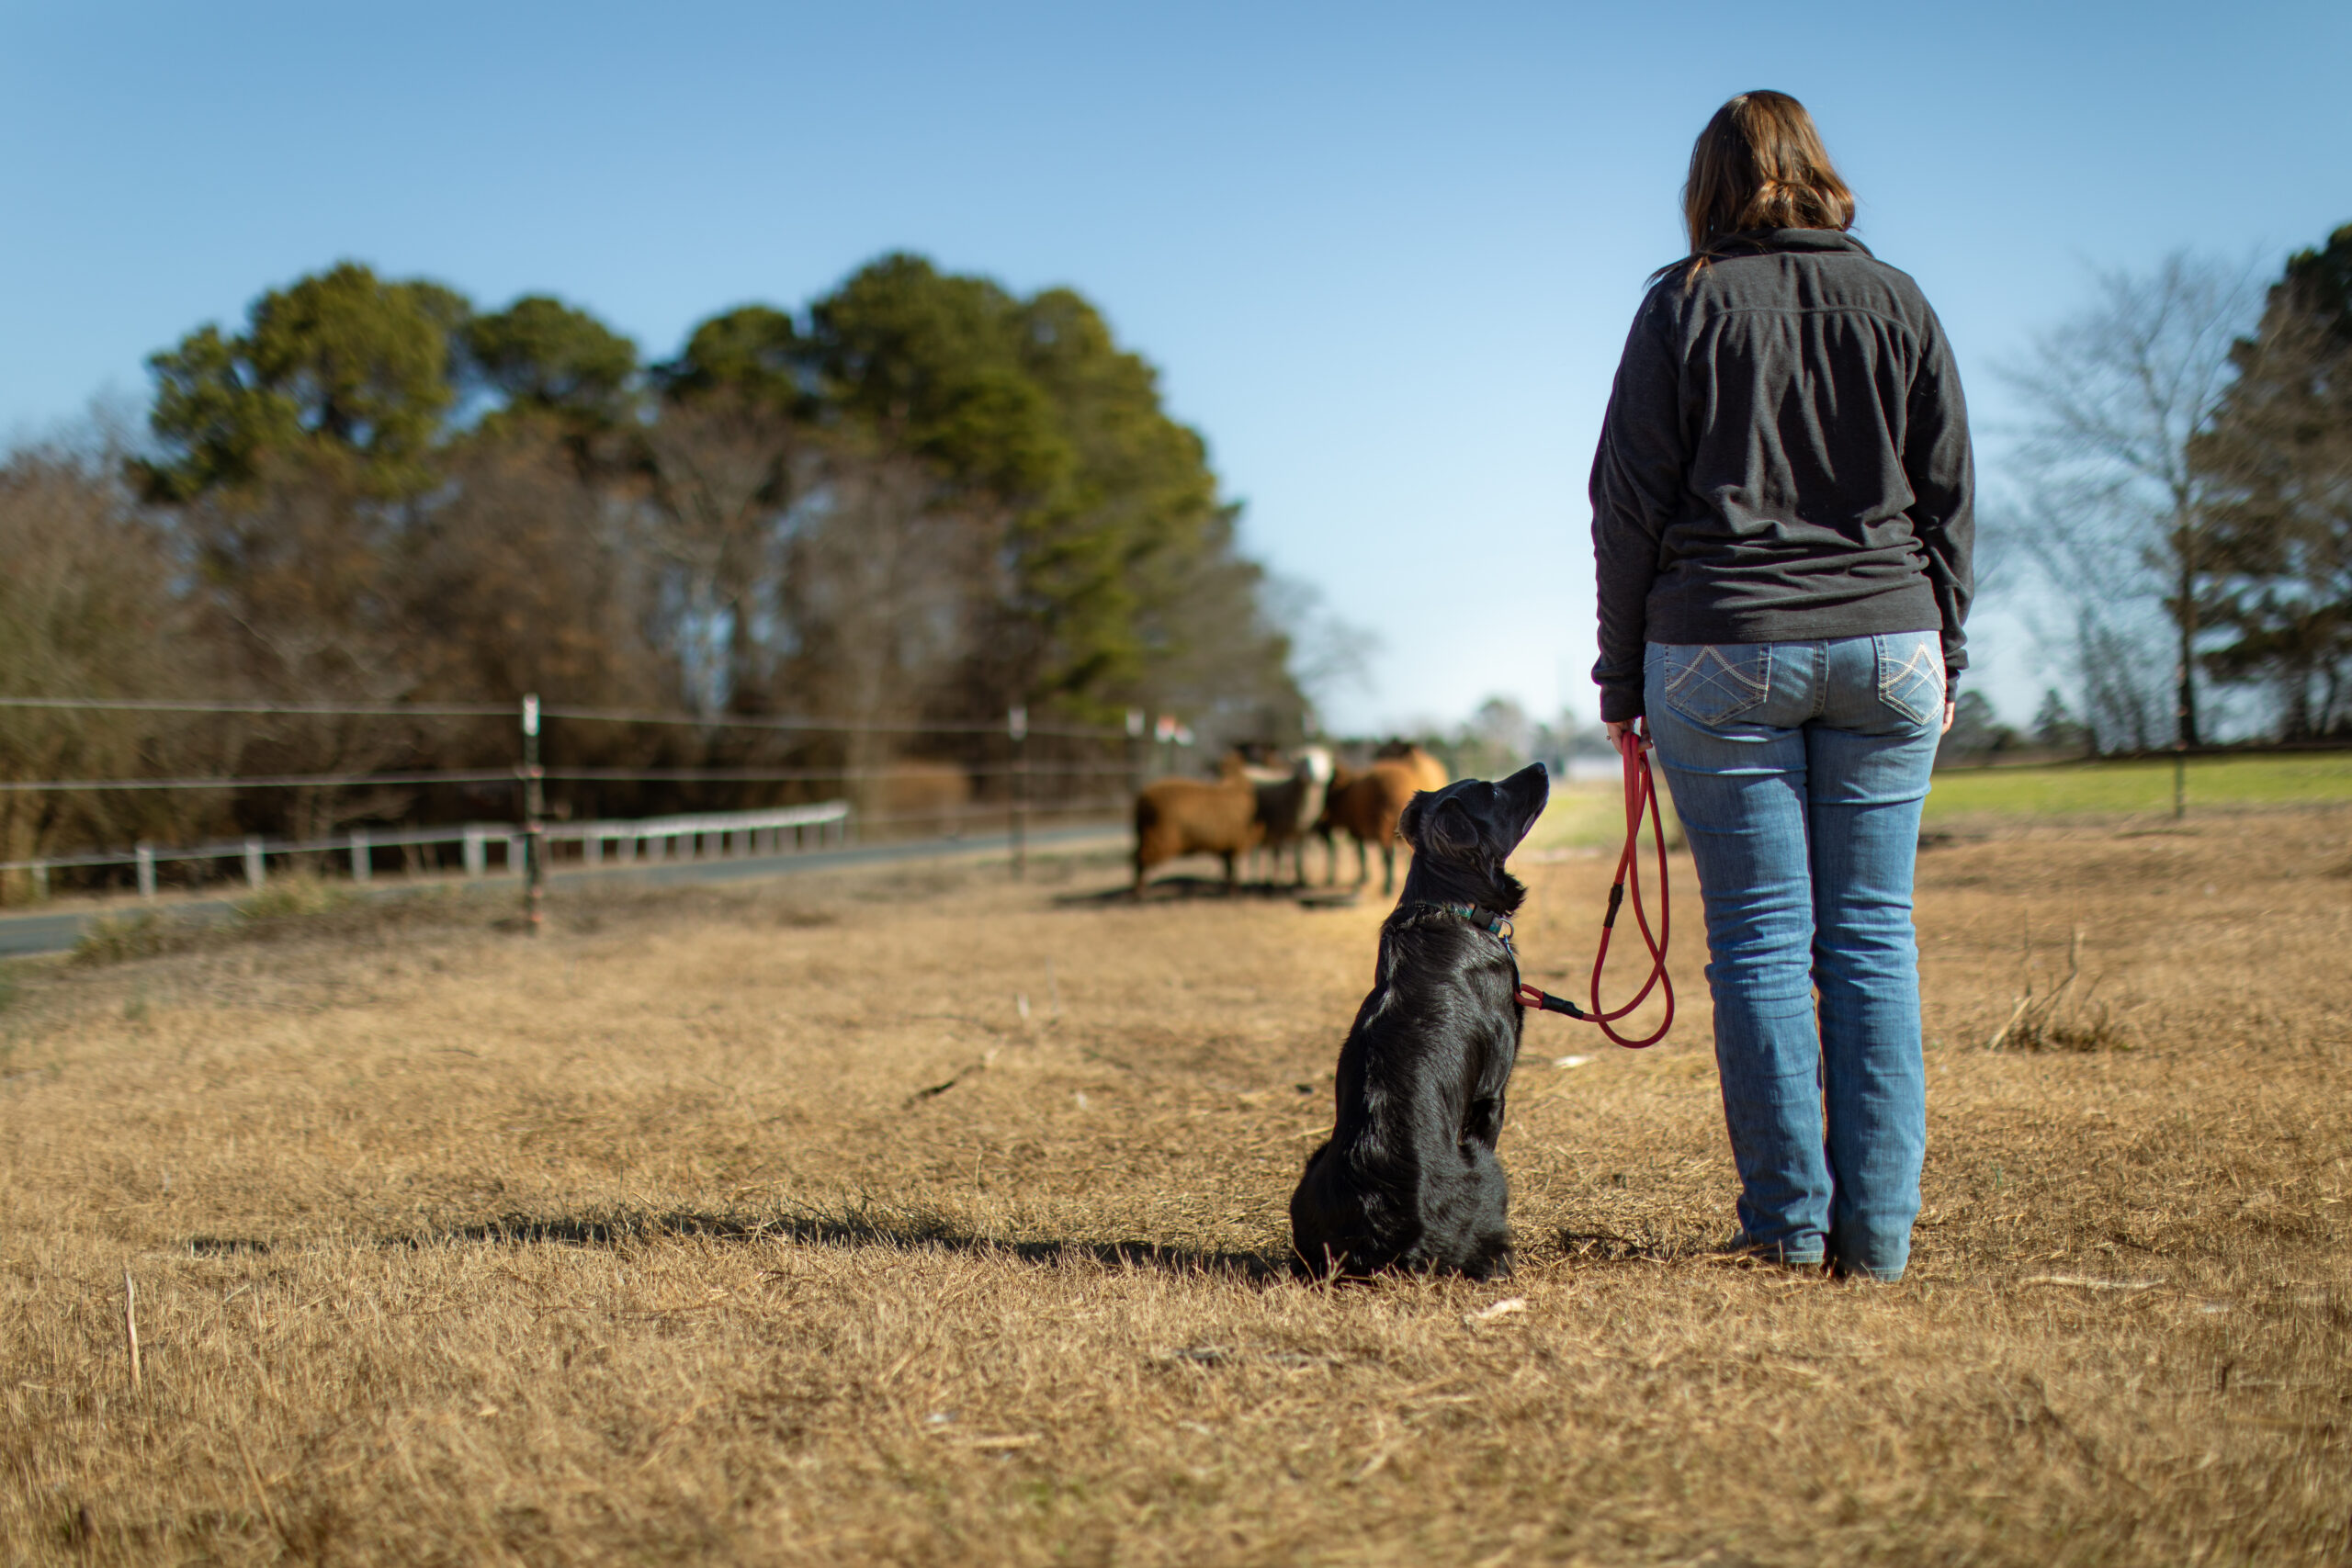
<point>660,1238</point>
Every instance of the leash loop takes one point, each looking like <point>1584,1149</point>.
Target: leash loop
<point>1641,797</point>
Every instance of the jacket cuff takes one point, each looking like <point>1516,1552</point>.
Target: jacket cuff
<point>1621,704</point>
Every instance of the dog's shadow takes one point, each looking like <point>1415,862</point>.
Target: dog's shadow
<point>895,1232</point>
<point>1184,889</point>
<point>915,1232</point>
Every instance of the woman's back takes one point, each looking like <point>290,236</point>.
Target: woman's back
<point>1785,456</point>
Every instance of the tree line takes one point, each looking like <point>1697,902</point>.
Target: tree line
<point>2187,495</point>
<point>919,500</point>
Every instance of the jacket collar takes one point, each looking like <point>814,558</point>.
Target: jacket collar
<point>1770,239</point>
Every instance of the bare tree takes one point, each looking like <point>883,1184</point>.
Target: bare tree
<point>726,468</point>
<point>2113,506</point>
<point>297,596</point>
<point>87,609</point>
<point>881,585</point>
<point>522,575</point>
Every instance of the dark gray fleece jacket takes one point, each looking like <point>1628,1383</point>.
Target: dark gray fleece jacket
<point>1785,458</point>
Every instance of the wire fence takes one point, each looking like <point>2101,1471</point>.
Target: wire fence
<point>588,715</point>
<point>943,779</point>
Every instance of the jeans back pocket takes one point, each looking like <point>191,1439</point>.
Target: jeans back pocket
<point>1911,675</point>
<point>1712,683</point>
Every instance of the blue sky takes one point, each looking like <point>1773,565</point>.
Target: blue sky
<point>1384,256</point>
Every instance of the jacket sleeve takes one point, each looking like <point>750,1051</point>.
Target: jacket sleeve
<point>1943,473</point>
<point>1637,486</point>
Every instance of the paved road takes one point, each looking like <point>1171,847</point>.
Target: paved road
<point>22,935</point>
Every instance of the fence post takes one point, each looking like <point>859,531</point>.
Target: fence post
<point>591,847</point>
<point>255,873</point>
<point>41,880</point>
<point>143,855</point>
<point>477,851</point>
<point>362,866</point>
<point>1016,728</point>
<point>535,839</point>
<point>1135,780</point>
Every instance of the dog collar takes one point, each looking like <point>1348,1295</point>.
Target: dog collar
<point>1493,925</point>
<point>1499,928</point>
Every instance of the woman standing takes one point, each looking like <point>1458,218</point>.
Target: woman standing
<point>1782,517</point>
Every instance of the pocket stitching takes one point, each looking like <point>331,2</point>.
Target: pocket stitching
<point>1752,692</point>
<point>1926,666</point>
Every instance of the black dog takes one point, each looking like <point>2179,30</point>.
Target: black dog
<point>1409,1179</point>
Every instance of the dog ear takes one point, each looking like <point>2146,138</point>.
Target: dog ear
<point>1451,828</point>
<point>1438,824</point>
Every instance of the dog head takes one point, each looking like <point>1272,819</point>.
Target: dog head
<point>1474,824</point>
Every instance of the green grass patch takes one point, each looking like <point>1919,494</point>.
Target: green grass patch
<point>2143,785</point>
<point>1579,816</point>
<point>118,939</point>
<point>1591,815</point>
<point>288,908</point>
<point>294,899</point>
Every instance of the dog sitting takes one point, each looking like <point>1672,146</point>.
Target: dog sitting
<point>1409,1179</point>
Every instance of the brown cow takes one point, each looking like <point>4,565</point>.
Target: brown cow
<point>1366,806</point>
<point>1428,772</point>
<point>1183,817</point>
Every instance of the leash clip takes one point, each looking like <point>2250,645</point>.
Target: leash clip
<point>1545,1002</point>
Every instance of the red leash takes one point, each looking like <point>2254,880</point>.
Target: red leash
<point>1641,795</point>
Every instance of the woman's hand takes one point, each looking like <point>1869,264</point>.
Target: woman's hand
<point>1949,710</point>
<point>1618,731</point>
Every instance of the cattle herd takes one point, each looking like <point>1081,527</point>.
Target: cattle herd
<point>1254,808</point>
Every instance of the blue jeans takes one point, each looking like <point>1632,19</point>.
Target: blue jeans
<point>1799,770</point>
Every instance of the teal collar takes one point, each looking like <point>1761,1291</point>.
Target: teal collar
<point>1493,925</point>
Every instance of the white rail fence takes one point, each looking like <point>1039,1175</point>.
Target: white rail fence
<point>705,835</point>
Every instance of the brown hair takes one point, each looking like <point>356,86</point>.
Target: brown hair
<point>1760,164</point>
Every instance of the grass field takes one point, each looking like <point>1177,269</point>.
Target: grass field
<point>913,1216</point>
<point>1590,814</point>
<point>2142,786</point>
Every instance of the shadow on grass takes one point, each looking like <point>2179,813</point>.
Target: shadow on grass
<point>901,1233</point>
<point>1182,889</point>
<point>1607,1246</point>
